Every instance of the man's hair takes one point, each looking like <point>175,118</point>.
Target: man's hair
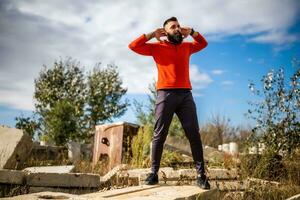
<point>169,20</point>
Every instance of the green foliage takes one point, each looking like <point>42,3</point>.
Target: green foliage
<point>170,158</point>
<point>64,81</point>
<point>141,147</point>
<point>62,123</point>
<point>104,94</point>
<point>60,99</point>
<point>277,114</point>
<point>27,124</point>
<point>267,166</point>
<point>69,104</point>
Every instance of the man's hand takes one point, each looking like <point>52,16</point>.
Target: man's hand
<point>158,33</point>
<point>185,31</point>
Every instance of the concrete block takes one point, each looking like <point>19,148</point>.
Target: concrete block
<point>15,147</point>
<point>50,169</point>
<point>12,176</point>
<point>63,180</point>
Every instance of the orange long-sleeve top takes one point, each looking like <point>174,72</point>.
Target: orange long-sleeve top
<point>172,61</point>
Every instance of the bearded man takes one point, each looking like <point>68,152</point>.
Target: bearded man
<point>173,90</point>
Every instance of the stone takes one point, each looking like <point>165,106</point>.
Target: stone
<point>15,147</point>
<point>228,185</point>
<point>155,192</point>
<point>63,180</point>
<point>64,190</point>
<point>57,153</point>
<point>296,197</point>
<point>169,174</point>
<point>45,195</point>
<point>144,192</point>
<point>12,177</point>
<point>223,174</point>
<point>74,151</point>
<point>51,169</point>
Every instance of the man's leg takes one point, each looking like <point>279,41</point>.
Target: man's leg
<point>186,112</point>
<point>164,111</point>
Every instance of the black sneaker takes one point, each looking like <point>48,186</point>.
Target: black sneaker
<point>203,183</point>
<point>152,179</point>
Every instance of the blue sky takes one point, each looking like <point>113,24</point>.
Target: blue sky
<point>246,40</point>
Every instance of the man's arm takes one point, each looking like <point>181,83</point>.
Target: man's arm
<point>151,35</point>
<point>198,43</point>
<point>140,46</point>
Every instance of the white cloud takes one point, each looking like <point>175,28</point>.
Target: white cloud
<point>227,83</point>
<point>277,37</point>
<point>217,72</point>
<point>199,79</point>
<point>36,32</point>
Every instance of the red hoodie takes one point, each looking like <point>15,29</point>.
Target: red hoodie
<point>172,61</point>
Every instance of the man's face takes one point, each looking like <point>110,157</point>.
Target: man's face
<point>173,30</point>
<point>172,27</point>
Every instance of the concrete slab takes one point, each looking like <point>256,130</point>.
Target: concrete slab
<point>12,176</point>
<point>45,195</point>
<point>63,180</point>
<point>144,192</point>
<point>76,191</point>
<point>155,192</point>
<point>15,147</point>
<point>169,174</point>
<point>296,197</point>
<point>50,169</point>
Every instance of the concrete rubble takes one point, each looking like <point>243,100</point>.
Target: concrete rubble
<point>144,192</point>
<point>15,149</point>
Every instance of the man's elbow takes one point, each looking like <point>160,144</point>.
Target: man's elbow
<point>205,43</point>
<point>131,46</point>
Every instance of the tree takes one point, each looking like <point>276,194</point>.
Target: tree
<point>277,112</point>
<point>104,93</point>
<point>53,89</point>
<point>64,81</point>
<point>217,131</point>
<point>69,104</point>
<point>62,123</point>
<point>27,124</point>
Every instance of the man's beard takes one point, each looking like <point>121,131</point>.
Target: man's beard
<point>175,38</point>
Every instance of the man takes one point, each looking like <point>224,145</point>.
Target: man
<point>173,90</point>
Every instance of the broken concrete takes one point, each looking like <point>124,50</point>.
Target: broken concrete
<point>58,153</point>
<point>78,191</point>
<point>296,197</point>
<point>15,149</point>
<point>169,174</point>
<point>12,177</point>
<point>50,169</point>
<point>144,192</point>
<point>45,195</point>
<point>120,176</point>
<point>63,180</point>
<point>155,192</point>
